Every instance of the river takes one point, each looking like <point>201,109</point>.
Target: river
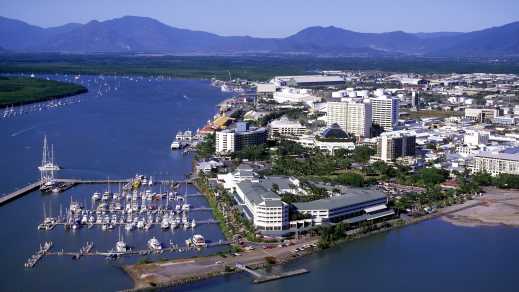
<point>124,126</point>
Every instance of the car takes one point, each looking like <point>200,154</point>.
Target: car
<point>218,262</point>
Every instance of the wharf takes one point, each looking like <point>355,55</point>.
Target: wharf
<point>268,278</point>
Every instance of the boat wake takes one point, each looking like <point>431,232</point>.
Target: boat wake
<point>17,133</point>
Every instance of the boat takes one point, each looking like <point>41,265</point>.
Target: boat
<point>198,240</point>
<point>120,246</point>
<point>193,223</point>
<point>164,224</point>
<point>47,162</point>
<point>106,196</point>
<point>129,226</point>
<point>154,244</point>
<point>96,196</point>
<point>186,207</point>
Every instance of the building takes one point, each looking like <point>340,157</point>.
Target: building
<point>481,114</point>
<point>352,117</point>
<point>496,163</point>
<point>392,145</point>
<point>309,81</point>
<point>385,111</point>
<point>284,127</point>
<point>263,207</point>
<point>295,95</point>
<point>265,90</point>
<point>475,138</point>
<point>233,140</point>
<point>354,206</point>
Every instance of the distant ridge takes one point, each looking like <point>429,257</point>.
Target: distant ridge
<point>132,34</point>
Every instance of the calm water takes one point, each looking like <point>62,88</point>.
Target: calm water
<point>109,133</point>
<point>117,133</point>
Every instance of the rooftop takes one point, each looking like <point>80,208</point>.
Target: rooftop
<point>353,196</point>
<point>257,194</point>
<point>504,156</point>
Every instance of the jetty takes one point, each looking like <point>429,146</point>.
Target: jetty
<point>19,193</point>
<point>262,277</point>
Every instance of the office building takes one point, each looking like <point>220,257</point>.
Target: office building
<point>496,163</point>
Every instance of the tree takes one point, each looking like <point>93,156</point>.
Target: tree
<point>275,188</point>
<point>206,148</point>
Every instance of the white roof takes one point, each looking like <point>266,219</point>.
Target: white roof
<point>375,208</point>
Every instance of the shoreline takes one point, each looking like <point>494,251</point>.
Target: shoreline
<point>160,275</point>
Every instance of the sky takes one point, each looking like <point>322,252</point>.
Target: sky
<point>271,18</point>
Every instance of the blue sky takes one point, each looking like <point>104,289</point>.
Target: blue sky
<point>270,18</point>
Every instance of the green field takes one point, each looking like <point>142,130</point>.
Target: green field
<point>19,90</point>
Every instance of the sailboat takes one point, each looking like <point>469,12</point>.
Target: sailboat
<point>120,246</point>
<point>47,162</point>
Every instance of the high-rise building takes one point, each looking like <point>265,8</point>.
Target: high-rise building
<point>232,140</point>
<point>352,117</point>
<point>385,111</point>
<point>391,145</point>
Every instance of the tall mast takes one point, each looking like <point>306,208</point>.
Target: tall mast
<point>44,159</point>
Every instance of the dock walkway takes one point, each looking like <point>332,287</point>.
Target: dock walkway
<point>19,193</point>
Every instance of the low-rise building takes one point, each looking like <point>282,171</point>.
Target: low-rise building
<point>496,163</point>
<point>263,207</point>
<point>353,206</point>
<point>284,127</point>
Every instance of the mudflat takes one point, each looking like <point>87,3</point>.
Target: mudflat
<point>497,207</point>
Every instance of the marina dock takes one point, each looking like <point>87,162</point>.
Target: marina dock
<point>66,183</point>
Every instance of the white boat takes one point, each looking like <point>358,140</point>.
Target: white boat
<point>106,196</point>
<point>96,196</point>
<point>140,224</point>
<point>197,240</point>
<point>154,244</point>
<point>47,162</point>
<point>120,246</point>
<point>129,226</point>
<point>186,207</point>
<point>193,223</point>
<point>164,224</point>
<point>150,182</point>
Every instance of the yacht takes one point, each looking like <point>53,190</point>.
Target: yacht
<point>197,241</point>
<point>186,207</point>
<point>154,244</point>
<point>193,223</point>
<point>120,246</point>
<point>96,196</point>
<point>106,196</point>
<point>47,163</point>
<point>129,226</point>
<point>164,224</point>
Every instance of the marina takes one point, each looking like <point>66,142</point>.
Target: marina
<point>96,142</point>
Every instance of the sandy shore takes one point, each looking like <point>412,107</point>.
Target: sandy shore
<point>497,207</point>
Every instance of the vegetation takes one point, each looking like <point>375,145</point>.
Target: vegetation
<point>206,148</point>
<point>252,68</point>
<point>18,90</point>
<point>253,152</point>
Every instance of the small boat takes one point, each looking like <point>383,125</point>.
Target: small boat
<point>164,224</point>
<point>198,240</point>
<point>96,196</point>
<point>154,244</point>
<point>193,223</point>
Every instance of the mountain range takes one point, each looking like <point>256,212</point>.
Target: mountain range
<point>132,34</point>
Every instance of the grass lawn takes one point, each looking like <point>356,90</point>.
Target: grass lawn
<point>19,90</point>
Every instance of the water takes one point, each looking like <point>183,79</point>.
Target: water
<point>117,133</point>
<point>430,256</point>
<point>107,132</point>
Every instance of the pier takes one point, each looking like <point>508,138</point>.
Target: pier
<point>19,193</point>
<point>66,183</point>
<point>262,278</point>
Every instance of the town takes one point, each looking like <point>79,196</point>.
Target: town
<point>355,148</point>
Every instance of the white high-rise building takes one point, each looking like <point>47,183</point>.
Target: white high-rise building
<point>385,111</point>
<point>352,117</point>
